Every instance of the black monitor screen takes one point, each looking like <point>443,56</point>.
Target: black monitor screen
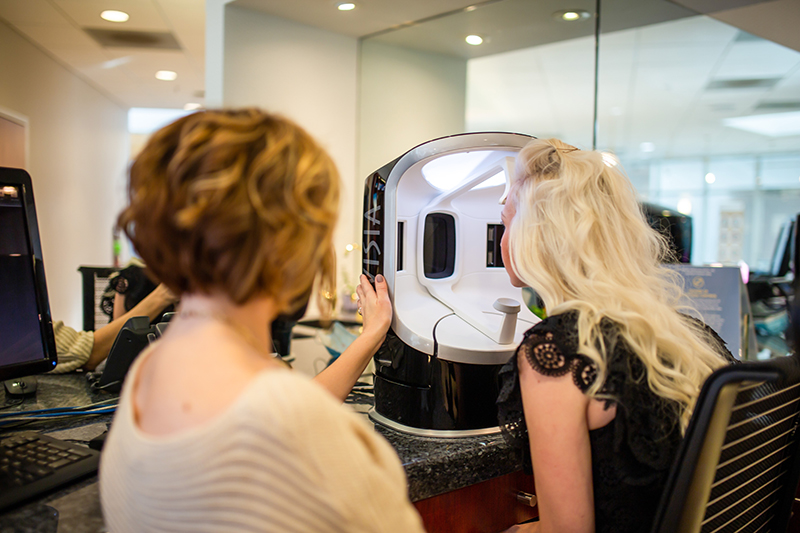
<point>784,248</point>
<point>26,331</point>
<point>796,270</point>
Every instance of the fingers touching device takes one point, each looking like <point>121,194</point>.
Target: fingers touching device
<point>432,227</point>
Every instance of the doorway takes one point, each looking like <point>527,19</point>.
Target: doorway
<point>13,137</point>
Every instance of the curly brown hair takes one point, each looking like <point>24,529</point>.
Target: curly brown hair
<point>238,202</point>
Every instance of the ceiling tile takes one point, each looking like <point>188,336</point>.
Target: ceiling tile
<point>31,12</point>
<point>144,15</point>
<point>757,59</point>
<point>698,29</point>
<point>84,58</point>
<point>368,17</point>
<point>60,37</point>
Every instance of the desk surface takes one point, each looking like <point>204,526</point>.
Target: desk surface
<point>433,465</point>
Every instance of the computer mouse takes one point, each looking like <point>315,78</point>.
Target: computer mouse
<point>20,386</point>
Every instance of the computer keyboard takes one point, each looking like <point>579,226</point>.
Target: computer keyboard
<point>32,464</point>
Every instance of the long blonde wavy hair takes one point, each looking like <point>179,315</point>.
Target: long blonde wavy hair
<point>580,240</point>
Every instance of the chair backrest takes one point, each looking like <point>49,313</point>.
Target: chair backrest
<point>738,467</point>
<point>94,282</point>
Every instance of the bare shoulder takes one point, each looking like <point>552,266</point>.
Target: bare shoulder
<point>192,377</point>
<point>549,393</point>
<point>553,394</point>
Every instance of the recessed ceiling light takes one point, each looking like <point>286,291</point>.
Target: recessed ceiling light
<point>112,15</point>
<point>572,15</point>
<point>710,177</point>
<point>685,206</point>
<point>191,106</point>
<point>474,40</point>
<point>346,6</point>
<point>166,75</point>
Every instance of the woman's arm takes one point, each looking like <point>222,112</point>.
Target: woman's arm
<point>556,416</point>
<point>104,338</point>
<point>376,308</point>
<point>119,306</point>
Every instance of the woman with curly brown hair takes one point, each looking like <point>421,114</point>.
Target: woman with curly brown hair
<point>234,212</point>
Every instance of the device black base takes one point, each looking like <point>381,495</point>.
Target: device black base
<point>459,397</point>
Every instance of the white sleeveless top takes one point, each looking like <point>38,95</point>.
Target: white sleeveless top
<point>284,457</point>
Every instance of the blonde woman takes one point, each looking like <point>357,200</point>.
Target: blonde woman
<point>234,212</point>
<point>600,391</point>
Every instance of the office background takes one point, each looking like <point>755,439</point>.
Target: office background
<point>670,82</point>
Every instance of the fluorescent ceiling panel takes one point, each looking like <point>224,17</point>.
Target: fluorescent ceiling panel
<point>771,125</point>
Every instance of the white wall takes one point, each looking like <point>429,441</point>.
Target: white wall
<point>77,159</point>
<point>306,74</point>
<point>215,51</point>
<point>407,97</point>
<point>366,106</point>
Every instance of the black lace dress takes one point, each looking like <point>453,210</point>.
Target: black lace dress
<point>631,455</point>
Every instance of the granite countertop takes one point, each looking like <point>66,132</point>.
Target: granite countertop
<point>437,465</point>
<point>433,465</point>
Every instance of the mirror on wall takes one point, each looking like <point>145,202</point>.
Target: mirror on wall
<point>704,117</point>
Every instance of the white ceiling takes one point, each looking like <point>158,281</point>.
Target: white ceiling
<point>127,75</point>
<point>656,60</point>
<point>371,16</point>
<point>668,84</point>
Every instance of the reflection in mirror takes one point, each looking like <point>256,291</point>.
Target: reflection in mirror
<point>706,120</point>
<point>703,116</point>
<point>532,73</point>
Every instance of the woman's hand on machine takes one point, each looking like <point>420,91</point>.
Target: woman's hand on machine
<point>374,306</point>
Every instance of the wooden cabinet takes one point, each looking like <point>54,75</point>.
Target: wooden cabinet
<point>794,521</point>
<point>488,507</point>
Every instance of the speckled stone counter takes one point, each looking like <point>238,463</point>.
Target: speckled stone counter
<point>433,465</point>
<point>437,465</point>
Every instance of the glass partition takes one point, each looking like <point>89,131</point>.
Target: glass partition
<point>533,72</point>
<point>706,120</point>
<point>704,117</point>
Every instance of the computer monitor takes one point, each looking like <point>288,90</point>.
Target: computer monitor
<point>674,226</point>
<point>796,257</point>
<point>27,343</point>
<point>784,250</point>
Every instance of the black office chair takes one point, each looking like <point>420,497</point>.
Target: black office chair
<point>738,466</point>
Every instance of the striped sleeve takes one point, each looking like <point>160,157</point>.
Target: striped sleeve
<point>73,347</point>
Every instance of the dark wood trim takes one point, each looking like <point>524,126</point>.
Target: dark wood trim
<point>487,507</point>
